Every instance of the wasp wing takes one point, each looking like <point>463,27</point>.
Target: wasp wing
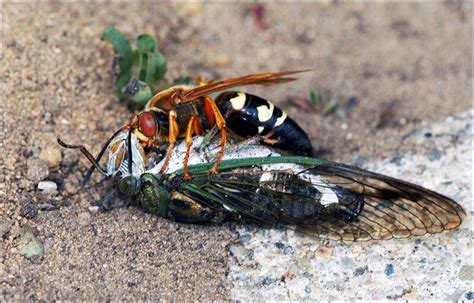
<point>253,79</point>
<point>328,201</point>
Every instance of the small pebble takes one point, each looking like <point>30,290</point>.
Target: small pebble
<point>245,238</point>
<point>93,209</point>
<point>30,247</point>
<point>47,186</point>
<point>360,271</point>
<point>435,155</point>
<point>51,155</point>
<point>268,281</point>
<point>347,262</point>
<point>304,264</point>
<point>289,250</point>
<point>279,245</point>
<point>389,270</point>
<point>469,295</point>
<point>466,273</point>
<point>69,188</point>
<point>47,117</point>
<point>323,252</point>
<point>307,274</point>
<point>239,251</point>
<point>84,217</point>
<point>250,254</point>
<point>29,211</point>
<point>307,289</point>
<point>397,160</point>
<point>35,151</point>
<point>36,170</point>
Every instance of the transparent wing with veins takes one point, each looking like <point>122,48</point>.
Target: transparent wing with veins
<point>330,201</point>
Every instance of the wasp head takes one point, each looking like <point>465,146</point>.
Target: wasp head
<point>149,127</point>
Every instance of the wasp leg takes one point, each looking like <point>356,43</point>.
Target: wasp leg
<point>210,105</point>
<point>207,139</point>
<point>268,138</point>
<point>209,113</point>
<point>193,128</point>
<point>172,136</point>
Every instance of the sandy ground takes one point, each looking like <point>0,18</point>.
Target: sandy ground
<point>407,65</point>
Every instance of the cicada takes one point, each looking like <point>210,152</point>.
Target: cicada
<point>319,198</point>
<point>183,112</point>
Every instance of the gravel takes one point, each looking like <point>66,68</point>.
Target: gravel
<point>37,170</point>
<point>51,155</point>
<point>30,246</point>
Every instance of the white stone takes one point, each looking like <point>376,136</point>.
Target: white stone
<point>47,186</point>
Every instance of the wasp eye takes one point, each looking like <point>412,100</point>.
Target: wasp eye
<point>148,125</point>
<point>129,186</point>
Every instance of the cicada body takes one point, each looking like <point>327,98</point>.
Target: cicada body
<point>318,198</point>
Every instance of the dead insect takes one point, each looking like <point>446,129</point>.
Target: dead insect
<point>318,198</point>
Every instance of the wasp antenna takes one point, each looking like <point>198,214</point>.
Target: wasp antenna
<point>85,152</point>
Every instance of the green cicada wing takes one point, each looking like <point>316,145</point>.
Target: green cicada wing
<point>329,201</point>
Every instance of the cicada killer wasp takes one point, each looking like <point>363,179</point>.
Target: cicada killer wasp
<point>184,112</point>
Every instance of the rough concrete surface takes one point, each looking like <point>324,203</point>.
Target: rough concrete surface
<point>407,65</point>
<point>282,265</point>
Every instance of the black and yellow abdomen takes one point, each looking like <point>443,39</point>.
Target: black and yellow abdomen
<point>249,115</point>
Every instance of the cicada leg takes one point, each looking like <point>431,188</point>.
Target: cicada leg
<point>253,141</point>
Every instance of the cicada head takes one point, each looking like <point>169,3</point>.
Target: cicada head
<point>150,194</point>
<point>118,155</point>
<point>129,185</point>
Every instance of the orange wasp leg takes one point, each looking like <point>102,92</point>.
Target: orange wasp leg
<point>193,128</point>
<point>209,104</point>
<point>209,112</point>
<point>172,136</point>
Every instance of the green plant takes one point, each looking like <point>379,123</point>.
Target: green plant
<point>141,71</point>
<point>322,102</point>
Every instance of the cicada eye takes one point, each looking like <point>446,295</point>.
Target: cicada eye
<point>147,124</point>
<point>129,186</point>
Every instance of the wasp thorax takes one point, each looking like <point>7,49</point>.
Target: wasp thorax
<point>147,124</point>
<point>177,97</point>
